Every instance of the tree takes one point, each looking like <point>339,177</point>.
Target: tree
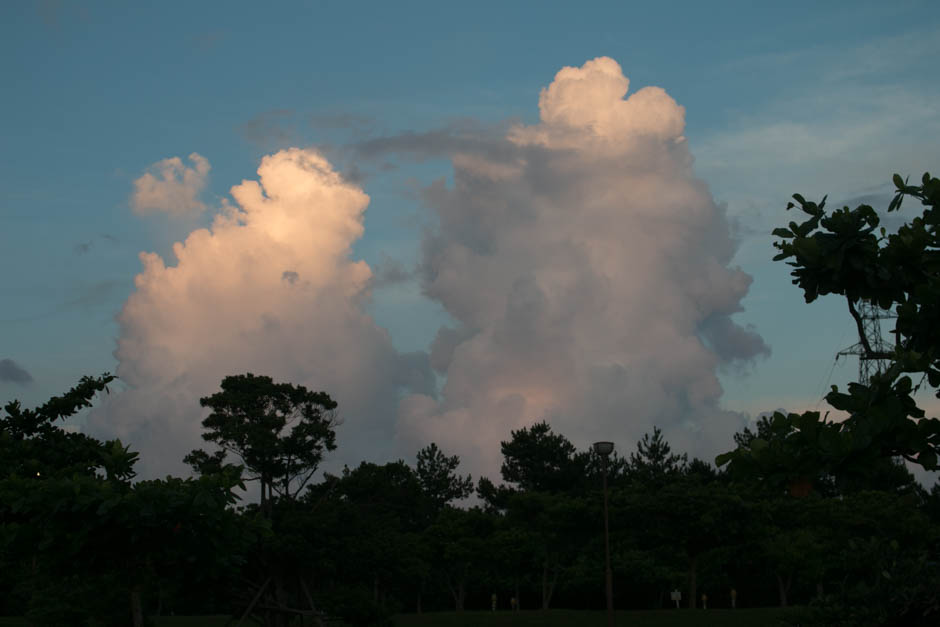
<point>250,418</point>
<point>460,541</point>
<point>280,433</point>
<point>791,542</point>
<point>90,539</point>
<point>33,445</point>
<point>515,557</point>
<point>654,464</point>
<point>375,513</point>
<point>789,453</point>
<point>536,459</point>
<point>554,532</point>
<point>885,553</point>
<point>695,517</point>
<point>848,253</point>
<point>437,474</point>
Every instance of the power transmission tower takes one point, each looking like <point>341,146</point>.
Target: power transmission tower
<point>873,352</point>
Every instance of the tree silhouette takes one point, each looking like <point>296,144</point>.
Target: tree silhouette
<point>654,463</point>
<point>279,431</point>
<point>537,459</point>
<point>437,474</point>
<point>848,253</point>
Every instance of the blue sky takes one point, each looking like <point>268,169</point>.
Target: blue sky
<point>779,98</point>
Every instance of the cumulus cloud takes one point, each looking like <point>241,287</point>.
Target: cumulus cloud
<point>270,288</point>
<point>12,372</point>
<point>172,187</point>
<point>585,108</point>
<point>587,269</point>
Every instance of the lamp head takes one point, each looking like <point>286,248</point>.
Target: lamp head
<point>604,448</point>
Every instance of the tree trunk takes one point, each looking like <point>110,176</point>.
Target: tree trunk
<point>518,598</point>
<point>783,588</point>
<point>309,597</point>
<point>280,597</point>
<point>266,495</point>
<point>34,571</point>
<point>693,583</point>
<point>544,585</point>
<point>819,589</point>
<point>137,610</point>
<point>548,587</point>
<point>458,592</point>
<point>419,602</point>
<point>375,589</point>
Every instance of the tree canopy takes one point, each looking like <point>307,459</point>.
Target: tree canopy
<point>77,542</point>
<point>849,253</point>
<point>279,431</point>
<point>437,474</point>
<point>536,458</point>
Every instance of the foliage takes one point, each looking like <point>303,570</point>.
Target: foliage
<point>459,540</point>
<point>537,459</point>
<point>81,541</point>
<point>356,607</point>
<point>91,540</point>
<point>437,474</point>
<point>249,419</point>
<point>382,508</point>
<point>848,253</point>
<point>884,546</point>
<point>33,445</point>
<point>654,464</point>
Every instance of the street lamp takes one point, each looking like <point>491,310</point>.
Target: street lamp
<point>604,449</point>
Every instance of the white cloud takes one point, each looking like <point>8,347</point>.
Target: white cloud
<point>585,107</point>
<point>584,264</point>
<point>172,187</point>
<point>270,288</point>
<point>587,270</point>
<point>861,114</point>
<point>764,159</point>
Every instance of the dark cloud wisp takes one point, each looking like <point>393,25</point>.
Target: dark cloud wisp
<point>12,372</point>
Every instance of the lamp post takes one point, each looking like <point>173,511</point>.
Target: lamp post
<point>604,449</point>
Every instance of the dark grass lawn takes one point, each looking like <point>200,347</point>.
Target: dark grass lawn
<point>764,617</point>
<point>176,621</point>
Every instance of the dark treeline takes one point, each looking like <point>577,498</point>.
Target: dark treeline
<point>80,540</point>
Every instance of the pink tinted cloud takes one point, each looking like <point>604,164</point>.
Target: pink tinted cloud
<point>270,288</point>
<point>587,269</point>
<point>172,187</point>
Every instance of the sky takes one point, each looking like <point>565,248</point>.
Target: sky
<point>456,219</point>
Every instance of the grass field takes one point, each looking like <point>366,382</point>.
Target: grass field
<point>572,618</point>
<point>765,617</point>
